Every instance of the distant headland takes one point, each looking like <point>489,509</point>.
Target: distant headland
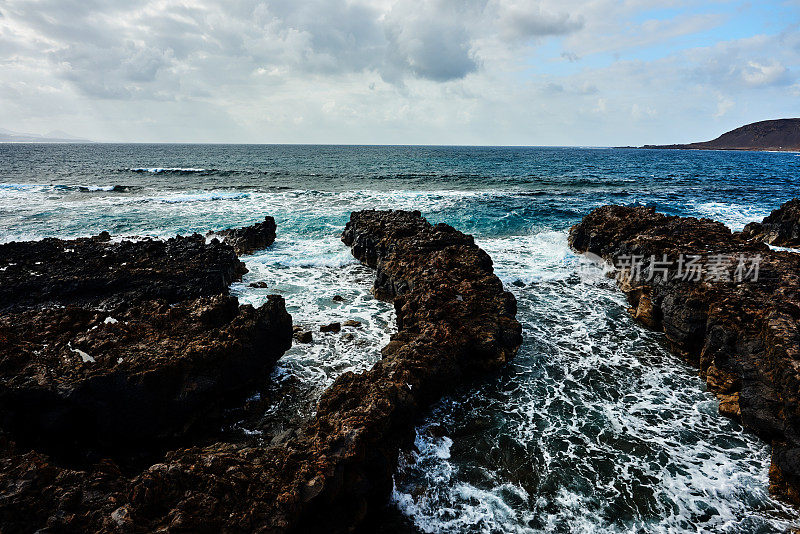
<point>7,136</point>
<point>778,135</point>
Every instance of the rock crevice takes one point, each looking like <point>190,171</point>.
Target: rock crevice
<point>334,474</point>
<point>741,331</point>
<point>780,228</point>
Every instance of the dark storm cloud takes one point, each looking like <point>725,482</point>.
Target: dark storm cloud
<point>151,49</point>
<point>531,22</point>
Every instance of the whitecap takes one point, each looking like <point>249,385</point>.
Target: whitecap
<point>157,170</point>
<point>733,215</point>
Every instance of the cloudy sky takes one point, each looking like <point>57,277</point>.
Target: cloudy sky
<point>548,72</point>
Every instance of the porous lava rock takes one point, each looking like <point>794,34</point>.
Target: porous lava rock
<point>334,474</point>
<point>249,239</point>
<point>740,331</point>
<point>780,228</point>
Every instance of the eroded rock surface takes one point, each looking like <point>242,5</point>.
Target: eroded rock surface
<point>81,383</point>
<point>780,228</point>
<point>455,322</point>
<point>101,273</point>
<point>250,238</point>
<point>109,353</point>
<point>741,332</point>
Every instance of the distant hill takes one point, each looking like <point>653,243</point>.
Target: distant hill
<point>779,134</point>
<point>7,136</point>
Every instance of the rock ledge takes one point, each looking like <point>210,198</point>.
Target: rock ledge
<point>742,333</point>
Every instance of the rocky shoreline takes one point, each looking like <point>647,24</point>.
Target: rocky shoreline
<point>250,238</point>
<point>110,353</point>
<point>455,322</point>
<point>736,322</point>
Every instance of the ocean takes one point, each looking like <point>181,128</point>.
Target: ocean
<point>595,426</point>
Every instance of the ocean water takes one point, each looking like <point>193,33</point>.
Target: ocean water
<point>595,427</point>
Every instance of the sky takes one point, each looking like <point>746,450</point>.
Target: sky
<point>472,72</point>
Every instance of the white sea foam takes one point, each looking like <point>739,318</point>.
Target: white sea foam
<point>595,427</point>
<point>309,273</point>
<point>735,216</point>
<point>157,170</point>
<point>204,196</point>
<point>19,187</point>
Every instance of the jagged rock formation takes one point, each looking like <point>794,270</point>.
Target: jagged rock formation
<point>780,228</point>
<point>250,238</point>
<point>742,333</point>
<point>81,383</point>
<point>110,346</point>
<point>110,352</point>
<point>455,322</point>
<point>104,274</point>
<point>779,134</point>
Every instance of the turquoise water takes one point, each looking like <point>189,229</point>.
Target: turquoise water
<point>594,427</point>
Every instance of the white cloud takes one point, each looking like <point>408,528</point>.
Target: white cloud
<point>766,73</point>
<point>724,105</point>
<point>436,71</point>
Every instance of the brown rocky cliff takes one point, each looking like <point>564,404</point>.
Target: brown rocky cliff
<point>742,334</point>
<point>455,323</point>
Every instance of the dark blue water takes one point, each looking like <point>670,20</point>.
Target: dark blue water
<point>594,427</point>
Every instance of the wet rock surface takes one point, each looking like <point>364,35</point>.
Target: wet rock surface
<point>741,332</point>
<point>780,228</point>
<point>332,327</point>
<point>249,239</point>
<point>110,352</point>
<point>104,274</point>
<point>81,383</point>
<point>334,474</point>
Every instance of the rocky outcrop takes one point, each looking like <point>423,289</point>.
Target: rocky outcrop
<point>111,352</point>
<point>455,322</point>
<point>81,383</point>
<point>780,228</point>
<point>104,274</point>
<point>742,331</point>
<point>110,348</point>
<point>250,238</point>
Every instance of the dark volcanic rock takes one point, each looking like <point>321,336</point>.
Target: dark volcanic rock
<point>100,273</point>
<point>304,336</point>
<point>106,347</point>
<point>77,381</point>
<point>248,239</point>
<point>455,322</point>
<point>780,228</point>
<point>332,327</point>
<point>111,352</point>
<point>742,333</point>
<point>39,496</point>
